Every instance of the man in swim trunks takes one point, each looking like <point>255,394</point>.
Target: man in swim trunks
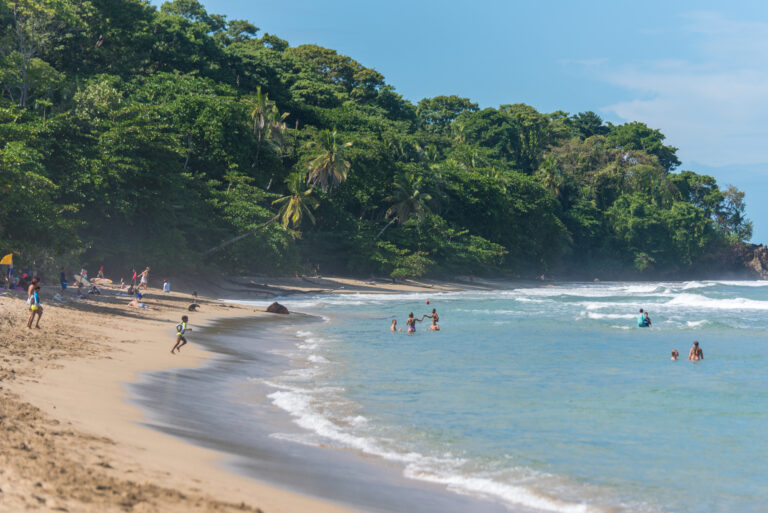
<point>435,318</point>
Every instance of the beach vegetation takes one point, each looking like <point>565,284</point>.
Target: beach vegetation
<point>131,133</point>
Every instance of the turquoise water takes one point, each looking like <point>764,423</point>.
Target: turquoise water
<point>548,399</point>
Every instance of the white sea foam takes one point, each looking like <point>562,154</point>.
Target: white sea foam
<point>316,358</point>
<point>299,405</point>
<point>695,324</point>
<point>513,494</point>
<point>695,301</point>
<point>595,315</point>
<point>743,283</point>
<point>305,406</point>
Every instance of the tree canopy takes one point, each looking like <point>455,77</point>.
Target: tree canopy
<point>130,133</point>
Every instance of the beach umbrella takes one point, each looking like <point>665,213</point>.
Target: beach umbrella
<point>7,259</point>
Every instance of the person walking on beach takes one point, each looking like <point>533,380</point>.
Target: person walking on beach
<point>144,281</point>
<point>166,286</point>
<point>31,288</point>
<point>181,330</point>
<point>696,353</point>
<point>34,307</point>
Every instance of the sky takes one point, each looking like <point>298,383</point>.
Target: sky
<point>696,70</point>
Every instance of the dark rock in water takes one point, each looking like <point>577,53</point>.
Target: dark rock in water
<point>277,308</point>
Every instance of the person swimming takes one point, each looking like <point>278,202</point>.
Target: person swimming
<point>675,354</point>
<point>411,323</point>
<point>643,321</point>
<point>394,325</point>
<point>696,353</point>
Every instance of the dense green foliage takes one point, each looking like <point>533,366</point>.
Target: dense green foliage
<point>171,136</point>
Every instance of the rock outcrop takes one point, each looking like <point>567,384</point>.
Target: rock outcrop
<point>277,308</point>
<point>755,258</point>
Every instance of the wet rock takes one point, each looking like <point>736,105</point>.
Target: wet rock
<point>277,308</point>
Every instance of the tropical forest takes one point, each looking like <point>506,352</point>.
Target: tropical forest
<point>134,134</point>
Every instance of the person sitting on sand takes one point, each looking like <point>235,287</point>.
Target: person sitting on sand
<point>35,308</point>
<point>94,290</point>
<point>181,330</point>
<point>675,354</point>
<point>411,323</point>
<point>696,353</point>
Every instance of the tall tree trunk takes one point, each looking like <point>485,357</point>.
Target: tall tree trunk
<point>383,229</point>
<point>241,236</point>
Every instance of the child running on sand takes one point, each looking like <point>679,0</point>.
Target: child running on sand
<point>181,330</point>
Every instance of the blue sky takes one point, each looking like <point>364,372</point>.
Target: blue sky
<point>696,70</point>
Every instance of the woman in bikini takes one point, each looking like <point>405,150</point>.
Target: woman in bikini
<point>411,323</point>
<point>696,352</point>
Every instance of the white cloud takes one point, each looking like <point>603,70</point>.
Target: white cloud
<point>714,108</point>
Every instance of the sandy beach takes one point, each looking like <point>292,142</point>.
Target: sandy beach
<point>72,441</point>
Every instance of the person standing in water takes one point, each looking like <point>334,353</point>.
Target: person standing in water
<point>696,353</point>
<point>643,321</point>
<point>675,354</point>
<point>394,325</point>
<point>411,323</point>
<point>435,318</point>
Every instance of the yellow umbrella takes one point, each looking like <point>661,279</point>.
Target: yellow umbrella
<point>7,259</point>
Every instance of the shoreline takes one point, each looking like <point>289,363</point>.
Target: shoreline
<point>65,399</point>
<point>233,411</point>
<point>75,416</point>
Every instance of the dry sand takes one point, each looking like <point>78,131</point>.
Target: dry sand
<point>70,440</point>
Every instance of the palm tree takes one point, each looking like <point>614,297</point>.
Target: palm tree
<point>294,206</point>
<point>328,168</point>
<point>268,123</point>
<point>407,201</point>
<point>297,204</point>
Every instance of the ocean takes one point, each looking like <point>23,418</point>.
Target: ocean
<point>528,399</point>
